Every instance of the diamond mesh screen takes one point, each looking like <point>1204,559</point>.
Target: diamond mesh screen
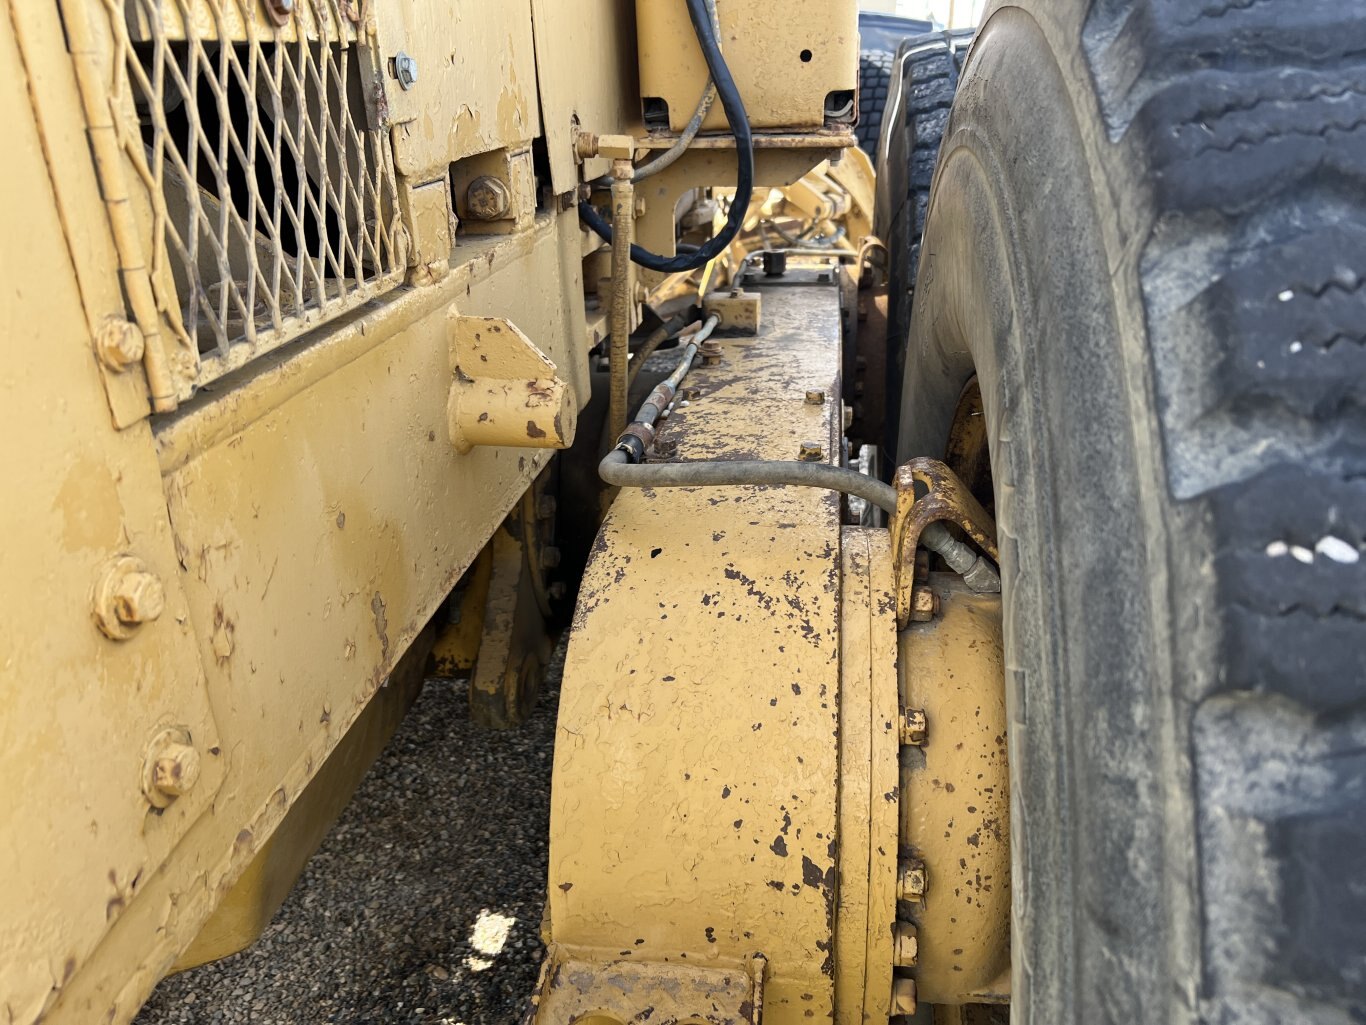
<point>263,176</point>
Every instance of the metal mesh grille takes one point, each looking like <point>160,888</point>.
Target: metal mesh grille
<point>270,202</point>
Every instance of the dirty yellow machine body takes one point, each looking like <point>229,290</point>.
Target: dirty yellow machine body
<point>303,333</point>
<point>963,587</point>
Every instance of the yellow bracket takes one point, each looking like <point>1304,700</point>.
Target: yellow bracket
<point>945,498</point>
<point>505,391</point>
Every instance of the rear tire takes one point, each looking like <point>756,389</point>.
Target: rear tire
<point>874,78</point>
<point>1146,242</point>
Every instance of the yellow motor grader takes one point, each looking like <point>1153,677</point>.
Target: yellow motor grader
<point>959,541</point>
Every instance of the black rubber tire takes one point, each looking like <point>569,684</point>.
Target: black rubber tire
<point>874,80</point>
<point>1147,241</point>
<point>929,66</point>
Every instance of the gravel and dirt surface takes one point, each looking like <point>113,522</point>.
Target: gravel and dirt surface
<point>423,906</point>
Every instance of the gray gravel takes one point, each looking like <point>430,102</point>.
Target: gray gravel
<point>451,821</point>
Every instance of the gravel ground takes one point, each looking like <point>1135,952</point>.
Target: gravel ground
<point>402,917</point>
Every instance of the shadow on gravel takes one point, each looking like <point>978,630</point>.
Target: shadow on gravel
<point>402,917</point>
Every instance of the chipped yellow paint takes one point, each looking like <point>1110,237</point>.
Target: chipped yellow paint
<point>694,804</point>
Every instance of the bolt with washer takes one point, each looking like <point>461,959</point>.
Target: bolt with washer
<point>171,767</point>
<point>119,344</point>
<point>127,595</point>
<point>711,354</point>
<point>405,68</point>
<point>488,198</point>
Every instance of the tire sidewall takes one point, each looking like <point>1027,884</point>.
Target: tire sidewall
<point>1014,288</point>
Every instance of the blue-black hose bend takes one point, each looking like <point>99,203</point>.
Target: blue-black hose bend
<point>744,151</point>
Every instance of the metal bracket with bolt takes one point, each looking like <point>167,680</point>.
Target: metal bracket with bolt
<point>404,68</point>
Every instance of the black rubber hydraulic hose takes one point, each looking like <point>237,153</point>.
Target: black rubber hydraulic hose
<point>744,151</point>
<point>617,469</point>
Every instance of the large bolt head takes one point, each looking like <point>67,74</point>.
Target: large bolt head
<point>913,727</point>
<point>903,996</point>
<point>910,881</point>
<point>488,198</point>
<point>119,344</point>
<point>127,594</point>
<point>906,950</point>
<point>924,605</point>
<point>170,768</point>
<point>176,770</point>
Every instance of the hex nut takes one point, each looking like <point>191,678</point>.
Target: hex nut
<point>906,946</point>
<point>924,605</point>
<point>815,398</point>
<point>690,394</point>
<point>119,344</point>
<point>711,353</point>
<point>550,557</point>
<point>127,594</point>
<point>171,767</point>
<point>811,452</point>
<point>903,996</point>
<point>910,881</point>
<point>913,727</point>
<point>488,198</point>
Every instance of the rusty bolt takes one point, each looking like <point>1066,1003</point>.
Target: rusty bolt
<point>924,605</point>
<point>811,452</point>
<point>913,727</point>
<point>171,767</point>
<point>815,398</point>
<point>176,769</point>
<point>910,880</point>
<point>127,595</point>
<point>690,394</point>
<point>546,506</point>
<point>405,67</point>
<point>118,343</point>
<point>488,198</point>
<point>906,948</point>
<point>665,448</point>
<point>711,353</point>
<point>903,996</point>
<point>550,557</point>
<point>279,10</point>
